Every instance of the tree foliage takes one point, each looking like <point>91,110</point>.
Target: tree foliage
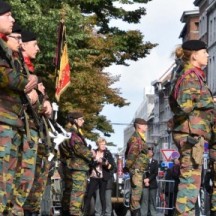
<point>93,45</point>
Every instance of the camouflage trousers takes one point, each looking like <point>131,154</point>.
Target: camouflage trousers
<point>25,172</point>
<point>212,153</point>
<point>75,184</point>
<point>190,176</point>
<point>136,190</point>
<point>10,140</point>
<point>33,201</point>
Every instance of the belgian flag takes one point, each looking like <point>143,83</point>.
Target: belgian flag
<point>62,63</point>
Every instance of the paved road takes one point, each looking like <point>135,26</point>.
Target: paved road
<point>129,214</point>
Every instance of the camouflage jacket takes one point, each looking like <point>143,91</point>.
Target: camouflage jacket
<point>28,68</point>
<point>213,138</point>
<point>80,155</point>
<point>192,103</point>
<point>12,84</point>
<point>136,153</point>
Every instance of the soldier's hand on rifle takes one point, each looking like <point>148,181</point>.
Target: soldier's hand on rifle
<point>47,108</point>
<point>41,88</point>
<point>33,96</point>
<point>32,83</point>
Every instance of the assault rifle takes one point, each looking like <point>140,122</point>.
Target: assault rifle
<point>39,120</point>
<point>27,103</point>
<point>203,197</point>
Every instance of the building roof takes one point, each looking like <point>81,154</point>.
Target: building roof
<point>189,14</point>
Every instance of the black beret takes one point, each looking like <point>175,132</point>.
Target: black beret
<point>4,7</point>
<point>140,121</point>
<point>28,36</point>
<point>74,115</point>
<point>194,45</point>
<point>16,28</point>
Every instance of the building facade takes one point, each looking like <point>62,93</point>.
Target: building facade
<point>207,33</point>
<point>199,24</point>
<point>160,133</point>
<point>190,30</point>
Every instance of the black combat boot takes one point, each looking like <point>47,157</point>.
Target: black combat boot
<point>27,213</point>
<point>65,213</point>
<point>35,214</point>
<point>103,213</point>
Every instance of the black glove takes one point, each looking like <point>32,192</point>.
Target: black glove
<point>93,163</point>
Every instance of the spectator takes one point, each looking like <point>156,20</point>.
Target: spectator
<point>108,196</point>
<point>148,201</point>
<point>100,173</point>
<point>171,188</point>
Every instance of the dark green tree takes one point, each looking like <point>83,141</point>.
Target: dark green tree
<point>92,44</point>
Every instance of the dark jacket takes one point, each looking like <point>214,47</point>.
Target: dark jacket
<point>172,174</point>
<point>152,174</point>
<point>108,173</point>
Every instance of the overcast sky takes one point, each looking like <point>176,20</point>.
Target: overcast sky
<point>161,25</point>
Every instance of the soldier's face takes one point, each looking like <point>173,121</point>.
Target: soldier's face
<point>201,57</point>
<point>14,41</point>
<point>31,49</point>
<point>6,23</point>
<point>143,128</point>
<point>80,122</point>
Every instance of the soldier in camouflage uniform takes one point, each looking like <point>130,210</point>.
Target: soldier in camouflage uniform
<point>136,163</point>
<point>75,167</point>
<point>14,42</point>
<point>192,104</point>
<point>13,85</point>
<point>34,159</point>
<point>212,162</point>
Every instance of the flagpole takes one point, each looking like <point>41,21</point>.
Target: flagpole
<point>62,68</point>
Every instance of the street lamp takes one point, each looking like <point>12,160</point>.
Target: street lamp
<point>169,130</point>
